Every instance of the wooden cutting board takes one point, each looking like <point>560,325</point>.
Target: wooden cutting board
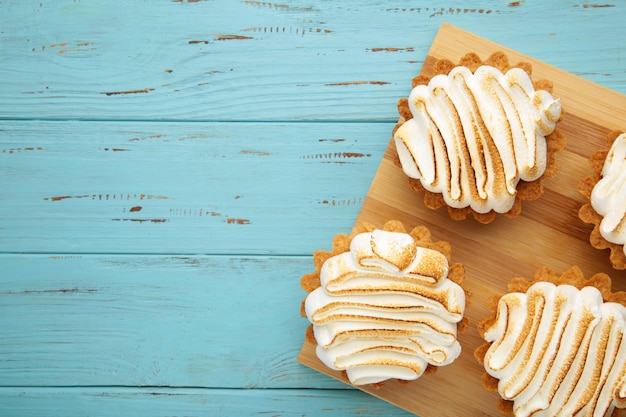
<point>548,231</point>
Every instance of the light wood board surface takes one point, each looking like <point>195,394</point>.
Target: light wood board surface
<point>548,231</point>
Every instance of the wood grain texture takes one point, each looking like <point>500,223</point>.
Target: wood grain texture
<point>548,231</point>
<point>192,402</point>
<point>177,321</point>
<point>200,60</point>
<point>213,188</point>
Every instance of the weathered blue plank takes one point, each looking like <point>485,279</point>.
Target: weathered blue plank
<point>252,60</point>
<point>186,321</point>
<point>129,187</point>
<point>164,402</point>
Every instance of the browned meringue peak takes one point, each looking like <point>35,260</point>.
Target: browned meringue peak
<point>393,255</point>
<point>385,309</point>
<point>473,137</point>
<point>609,200</point>
<point>608,197</point>
<point>558,350</point>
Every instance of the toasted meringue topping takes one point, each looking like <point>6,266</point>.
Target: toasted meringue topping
<point>385,309</point>
<point>608,197</point>
<point>559,351</point>
<point>474,136</point>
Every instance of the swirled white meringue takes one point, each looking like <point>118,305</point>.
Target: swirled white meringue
<point>559,351</point>
<point>608,197</point>
<point>474,136</point>
<point>385,309</point>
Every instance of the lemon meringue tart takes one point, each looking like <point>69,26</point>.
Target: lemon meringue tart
<point>556,346</point>
<point>606,191</point>
<point>473,132</point>
<point>385,304</point>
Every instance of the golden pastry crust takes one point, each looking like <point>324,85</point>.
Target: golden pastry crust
<point>588,215</point>
<point>573,276</point>
<point>525,190</point>
<point>341,243</point>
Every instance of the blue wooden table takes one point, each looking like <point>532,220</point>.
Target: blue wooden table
<point>167,169</point>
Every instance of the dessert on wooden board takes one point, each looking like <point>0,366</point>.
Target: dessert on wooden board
<point>479,137</point>
<point>556,346</point>
<point>511,247</point>
<point>606,191</point>
<point>385,304</point>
